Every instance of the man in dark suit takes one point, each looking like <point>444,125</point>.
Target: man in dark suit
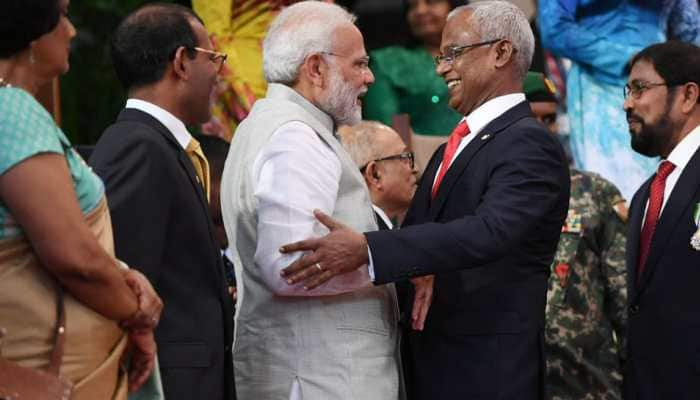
<point>662,101</point>
<point>157,187</point>
<point>485,220</point>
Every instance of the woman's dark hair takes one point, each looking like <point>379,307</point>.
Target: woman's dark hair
<point>414,41</point>
<point>453,4</point>
<point>146,41</point>
<point>24,21</point>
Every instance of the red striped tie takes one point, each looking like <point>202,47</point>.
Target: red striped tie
<point>656,200</point>
<point>460,131</point>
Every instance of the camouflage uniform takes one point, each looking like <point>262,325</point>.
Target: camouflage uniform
<point>587,295</point>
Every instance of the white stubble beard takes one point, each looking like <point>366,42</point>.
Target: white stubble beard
<point>340,100</point>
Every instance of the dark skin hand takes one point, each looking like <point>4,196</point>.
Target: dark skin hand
<point>142,346</point>
<point>150,305</point>
<point>341,251</point>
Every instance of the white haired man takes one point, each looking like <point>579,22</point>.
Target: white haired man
<point>485,220</point>
<point>338,341</point>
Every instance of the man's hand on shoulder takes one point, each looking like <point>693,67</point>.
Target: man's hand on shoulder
<point>341,251</point>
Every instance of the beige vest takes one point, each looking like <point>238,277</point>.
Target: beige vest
<point>337,347</point>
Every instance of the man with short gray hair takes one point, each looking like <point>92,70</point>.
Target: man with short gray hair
<point>338,341</point>
<point>485,220</point>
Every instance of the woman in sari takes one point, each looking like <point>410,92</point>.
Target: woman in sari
<point>55,230</point>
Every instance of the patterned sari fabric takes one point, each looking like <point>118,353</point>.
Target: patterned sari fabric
<point>94,345</point>
<point>238,28</point>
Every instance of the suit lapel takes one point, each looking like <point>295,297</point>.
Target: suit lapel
<point>183,159</point>
<point>421,199</point>
<point>634,228</point>
<point>677,204</point>
<point>519,111</point>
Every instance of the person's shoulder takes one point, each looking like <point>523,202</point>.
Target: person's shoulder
<point>129,130</point>
<point>21,113</point>
<point>602,191</point>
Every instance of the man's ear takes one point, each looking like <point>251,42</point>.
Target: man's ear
<point>181,64</point>
<point>691,97</point>
<point>315,69</point>
<point>372,175</point>
<point>504,53</point>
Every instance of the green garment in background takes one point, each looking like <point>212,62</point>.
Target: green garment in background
<point>406,83</point>
<point>152,389</point>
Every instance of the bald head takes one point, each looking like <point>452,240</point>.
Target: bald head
<point>367,141</point>
<point>387,167</point>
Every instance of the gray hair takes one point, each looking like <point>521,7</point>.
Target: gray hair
<point>300,30</point>
<point>503,20</point>
<point>359,141</point>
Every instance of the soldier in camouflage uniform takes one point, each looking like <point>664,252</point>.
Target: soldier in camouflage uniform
<point>586,298</point>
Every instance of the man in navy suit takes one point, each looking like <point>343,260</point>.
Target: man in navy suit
<point>158,200</point>
<point>485,221</point>
<point>662,101</point>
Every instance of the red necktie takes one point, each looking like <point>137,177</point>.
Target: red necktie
<point>656,199</point>
<point>460,131</point>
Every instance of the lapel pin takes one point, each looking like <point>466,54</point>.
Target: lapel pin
<point>486,136</point>
<point>695,239</point>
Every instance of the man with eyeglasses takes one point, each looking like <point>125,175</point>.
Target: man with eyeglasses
<point>157,182</point>
<point>662,102</point>
<point>387,167</point>
<point>390,174</point>
<point>485,220</point>
<point>338,341</point>
<point>586,314</point>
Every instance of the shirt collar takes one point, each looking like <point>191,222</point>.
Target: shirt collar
<point>171,122</point>
<point>492,109</point>
<point>383,216</point>
<point>280,91</point>
<point>681,154</point>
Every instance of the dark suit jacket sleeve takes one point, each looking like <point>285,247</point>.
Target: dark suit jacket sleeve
<point>132,168</point>
<point>525,183</point>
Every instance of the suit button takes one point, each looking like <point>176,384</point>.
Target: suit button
<point>634,309</point>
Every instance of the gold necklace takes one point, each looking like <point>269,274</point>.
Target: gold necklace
<point>4,83</point>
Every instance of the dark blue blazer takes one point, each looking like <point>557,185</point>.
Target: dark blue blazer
<point>663,360</point>
<point>163,228</point>
<point>489,237</point>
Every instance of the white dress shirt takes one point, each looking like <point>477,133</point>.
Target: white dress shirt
<point>482,116</point>
<point>383,216</point>
<point>680,157</point>
<point>171,122</point>
<point>296,172</point>
<point>476,120</point>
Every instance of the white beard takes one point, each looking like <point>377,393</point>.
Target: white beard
<point>340,101</point>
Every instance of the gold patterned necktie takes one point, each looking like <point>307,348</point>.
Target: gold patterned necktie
<point>200,164</point>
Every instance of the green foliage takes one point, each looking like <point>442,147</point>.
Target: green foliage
<point>91,96</point>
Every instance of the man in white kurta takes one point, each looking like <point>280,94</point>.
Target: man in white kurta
<point>338,341</point>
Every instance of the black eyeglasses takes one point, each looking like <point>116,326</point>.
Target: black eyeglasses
<point>636,88</point>
<point>215,56</point>
<point>406,155</point>
<point>451,53</point>
<point>361,64</point>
